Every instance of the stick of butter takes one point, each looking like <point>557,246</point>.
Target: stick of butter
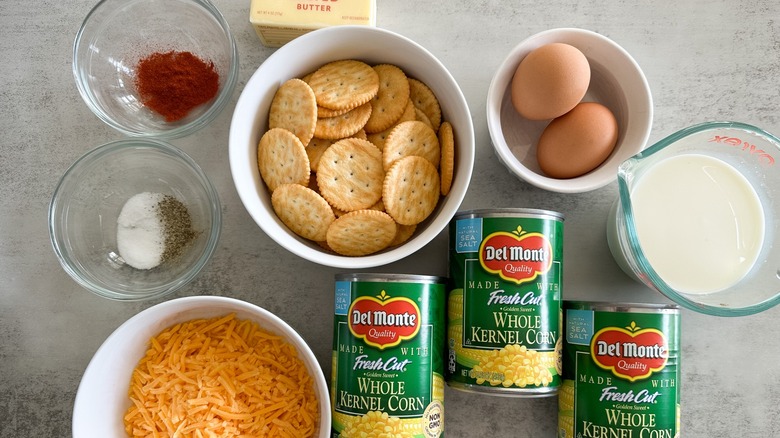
<point>279,21</point>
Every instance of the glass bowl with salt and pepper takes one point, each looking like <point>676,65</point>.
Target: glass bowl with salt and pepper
<point>152,68</point>
<point>134,219</point>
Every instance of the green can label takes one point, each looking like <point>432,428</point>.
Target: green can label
<point>621,372</point>
<point>388,367</point>
<point>504,305</point>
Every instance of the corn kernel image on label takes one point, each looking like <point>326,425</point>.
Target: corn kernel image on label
<point>621,371</point>
<point>504,304</point>
<point>388,356</point>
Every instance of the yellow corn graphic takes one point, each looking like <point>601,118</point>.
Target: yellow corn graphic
<point>566,409</point>
<point>466,356</point>
<point>438,387</point>
<point>455,305</point>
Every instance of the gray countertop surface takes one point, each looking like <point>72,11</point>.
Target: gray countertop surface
<point>705,60</point>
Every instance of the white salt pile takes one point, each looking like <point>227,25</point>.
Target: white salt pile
<point>140,232</point>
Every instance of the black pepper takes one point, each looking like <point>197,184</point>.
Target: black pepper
<point>177,227</point>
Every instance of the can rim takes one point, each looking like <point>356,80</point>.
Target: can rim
<point>515,392</point>
<point>620,307</point>
<point>510,212</point>
<point>390,277</point>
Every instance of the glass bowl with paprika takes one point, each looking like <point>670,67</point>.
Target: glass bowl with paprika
<point>155,68</point>
<point>134,219</point>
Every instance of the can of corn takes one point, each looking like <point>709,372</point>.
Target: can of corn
<point>621,371</point>
<point>504,304</point>
<point>388,356</point>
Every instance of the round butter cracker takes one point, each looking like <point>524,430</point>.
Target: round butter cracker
<point>294,108</point>
<point>315,149</point>
<point>305,212</point>
<point>361,232</point>
<point>422,117</point>
<point>403,233</point>
<point>447,164</point>
<point>379,138</point>
<point>323,112</point>
<point>282,159</point>
<point>423,98</point>
<point>343,125</point>
<point>344,84</point>
<point>361,135</point>
<point>350,174</point>
<point>411,138</point>
<point>390,100</point>
<point>411,190</point>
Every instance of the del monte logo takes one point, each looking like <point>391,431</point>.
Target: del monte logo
<point>384,321</point>
<point>518,256</point>
<point>631,353</point>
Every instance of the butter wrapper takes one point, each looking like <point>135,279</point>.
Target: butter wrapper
<point>279,21</point>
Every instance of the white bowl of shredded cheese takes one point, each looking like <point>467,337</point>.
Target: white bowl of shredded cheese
<point>222,384</point>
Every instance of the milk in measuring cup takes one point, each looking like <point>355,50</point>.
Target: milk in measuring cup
<point>699,222</point>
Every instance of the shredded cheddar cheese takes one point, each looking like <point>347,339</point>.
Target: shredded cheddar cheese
<point>221,377</point>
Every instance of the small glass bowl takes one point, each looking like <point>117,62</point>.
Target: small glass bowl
<point>116,34</point>
<point>88,199</point>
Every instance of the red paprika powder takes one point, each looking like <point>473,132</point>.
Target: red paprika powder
<point>173,83</point>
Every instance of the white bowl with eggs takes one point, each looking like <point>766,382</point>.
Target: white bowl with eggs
<point>306,54</point>
<point>102,397</point>
<point>616,82</point>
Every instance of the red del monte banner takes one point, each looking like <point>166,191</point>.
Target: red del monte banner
<point>631,353</point>
<point>517,257</point>
<point>383,321</point>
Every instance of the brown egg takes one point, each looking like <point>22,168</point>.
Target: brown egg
<point>577,142</point>
<point>550,81</point>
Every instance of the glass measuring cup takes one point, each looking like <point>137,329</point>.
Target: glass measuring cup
<point>718,255</point>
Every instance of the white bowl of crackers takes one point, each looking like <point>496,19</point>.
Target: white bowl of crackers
<point>566,107</point>
<point>352,146</point>
<point>199,366</point>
